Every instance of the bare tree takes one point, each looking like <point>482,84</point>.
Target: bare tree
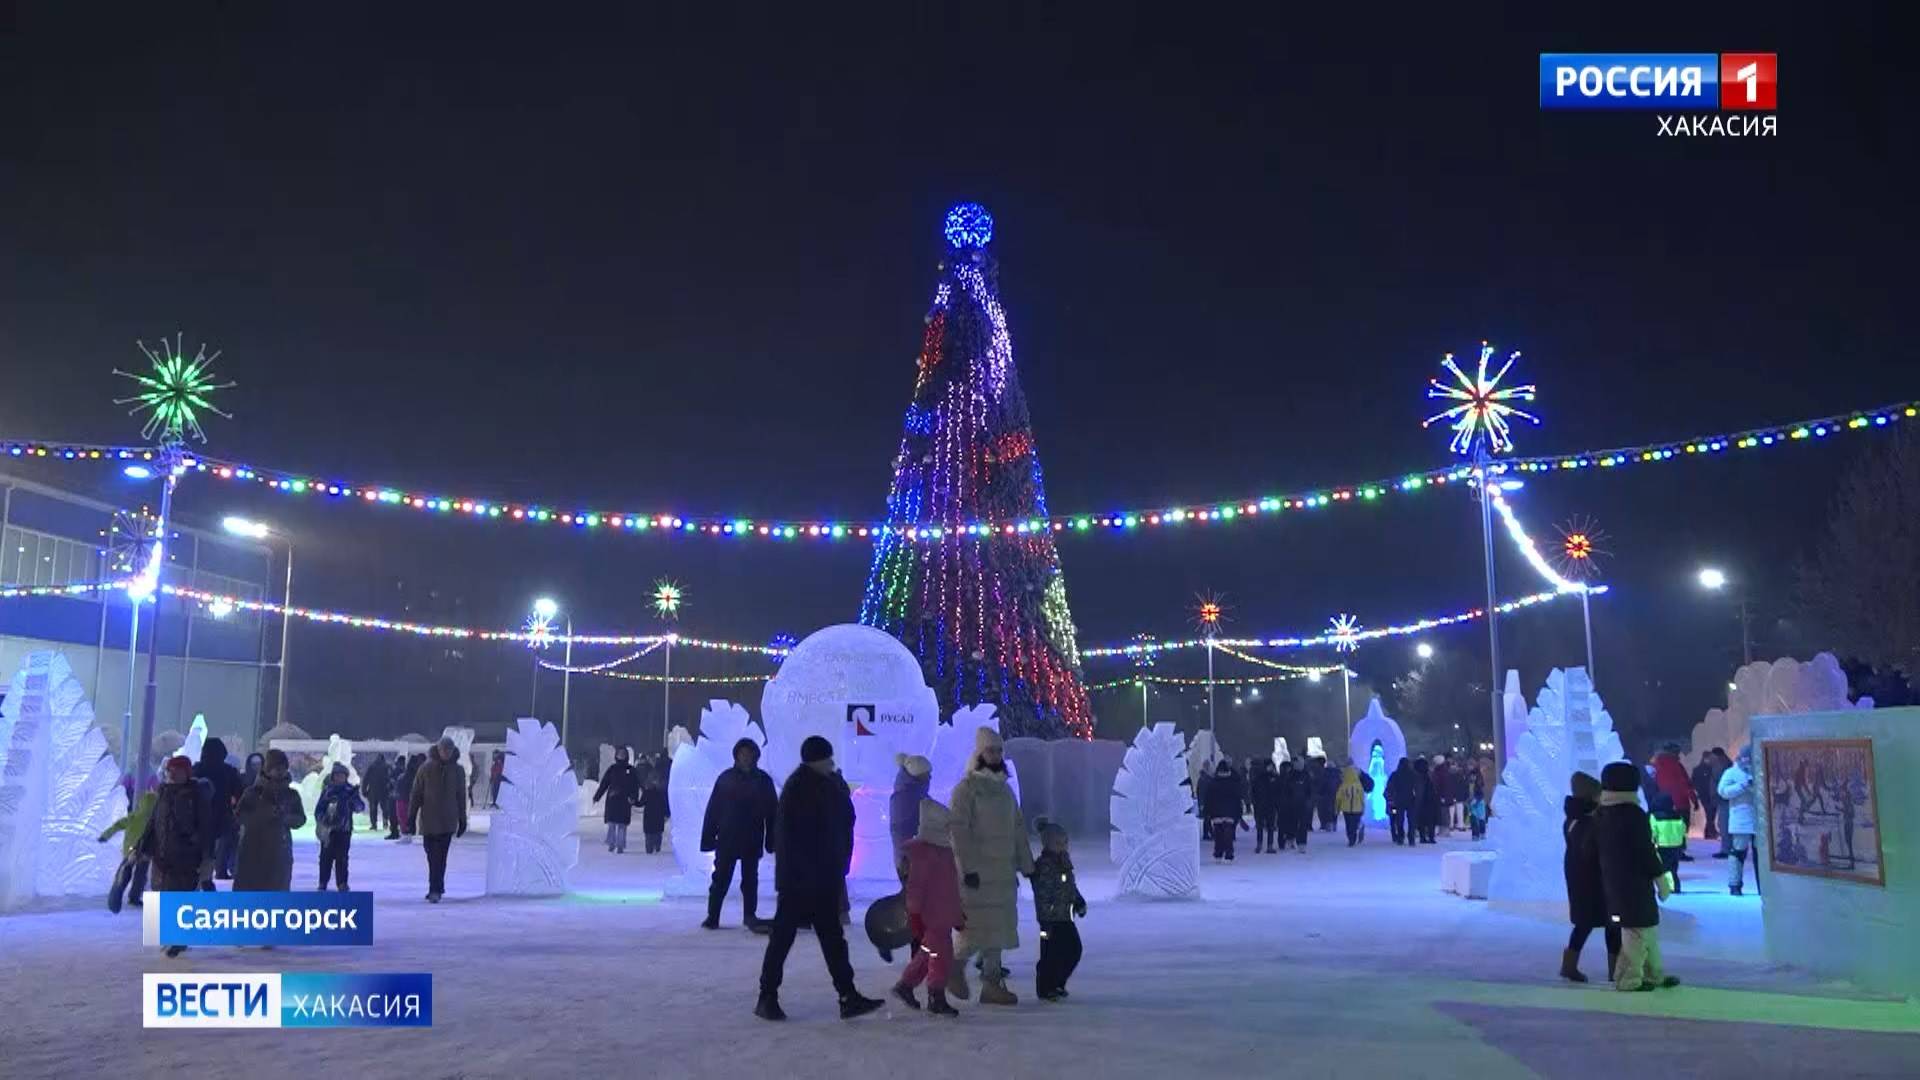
<point>1861,590</point>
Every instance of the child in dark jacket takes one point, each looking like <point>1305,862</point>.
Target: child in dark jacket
<point>1669,836</point>
<point>1477,804</point>
<point>653,812</point>
<point>1056,903</point>
<point>1634,878</point>
<point>1586,896</point>
<point>333,825</point>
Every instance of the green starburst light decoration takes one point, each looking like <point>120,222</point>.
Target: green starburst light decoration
<point>174,392</point>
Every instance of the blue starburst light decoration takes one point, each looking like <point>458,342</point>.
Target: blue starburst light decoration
<point>969,226</point>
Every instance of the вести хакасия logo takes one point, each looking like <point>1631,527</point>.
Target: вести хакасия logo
<point>1726,95</point>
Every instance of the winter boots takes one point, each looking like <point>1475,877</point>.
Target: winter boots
<point>937,1003</point>
<point>957,981</point>
<point>1570,966</point>
<point>995,992</point>
<point>768,1008</point>
<point>854,1005</point>
<point>904,994</point>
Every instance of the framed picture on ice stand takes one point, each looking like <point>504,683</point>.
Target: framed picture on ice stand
<point>1823,810</point>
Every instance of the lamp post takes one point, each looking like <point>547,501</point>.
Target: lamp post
<point>544,610</point>
<point>1715,580</point>
<point>147,584</point>
<point>255,530</point>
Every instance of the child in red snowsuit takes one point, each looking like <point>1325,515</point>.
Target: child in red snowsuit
<point>933,910</point>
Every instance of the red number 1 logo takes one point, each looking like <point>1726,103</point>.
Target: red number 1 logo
<point>1749,81</point>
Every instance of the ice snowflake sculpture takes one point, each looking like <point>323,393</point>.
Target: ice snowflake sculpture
<point>697,763</point>
<point>1377,745</point>
<point>339,750</point>
<point>531,840</point>
<point>953,748</point>
<point>1281,755</point>
<point>196,738</point>
<point>59,789</point>
<point>1513,704</point>
<point>1781,687</point>
<point>1155,834</point>
<point>1567,731</point>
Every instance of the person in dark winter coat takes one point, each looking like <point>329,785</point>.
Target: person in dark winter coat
<point>437,810</point>
<point>1056,903</point>
<point>224,779</point>
<point>1326,791</point>
<point>1266,808</point>
<point>910,785</point>
<point>621,788</point>
<point>268,813</point>
<point>1705,786</point>
<point>1223,810</point>
<point>376,786</point>
<point>654,811</point>
<point>1426,802</point>
<point>813,850</point>
<point>1633,877</point>
<point>403,796</point>
<point>1296,793</point>
<point>1443,776</point>
<point>1586,897</point>
<point>1401,795</point>
<point>177,833</point>
<point>738,827</point>
<point>333,824</point>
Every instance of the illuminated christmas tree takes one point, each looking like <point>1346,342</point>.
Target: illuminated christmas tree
<point>966,573</point>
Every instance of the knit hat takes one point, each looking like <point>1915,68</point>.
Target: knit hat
<point>1620,776</point>
<point>934,821</point>
<point>914,764</point>
<point>1048,829</point>
<point>985,737</point>
<point>178,765</point>
<point>446,743</point>
<point>1586,787</point>
<point>815,749</point>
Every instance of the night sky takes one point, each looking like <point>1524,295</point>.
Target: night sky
<point>652,266</point>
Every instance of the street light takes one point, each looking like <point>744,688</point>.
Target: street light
<point>1423,650</point>
<point>1714,580</point>
<point>257,530</point>
<point>544,609</point>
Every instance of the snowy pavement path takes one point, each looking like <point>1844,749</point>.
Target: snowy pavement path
<point>1347,963</point>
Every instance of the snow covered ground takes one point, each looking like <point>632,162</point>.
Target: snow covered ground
<point>1347,963</point>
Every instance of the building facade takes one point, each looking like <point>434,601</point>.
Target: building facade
<point>217,663</point>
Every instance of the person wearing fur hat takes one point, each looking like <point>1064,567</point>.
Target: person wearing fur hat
<point>990,841</point>
<point>1633,877</point>
<point>910,786</point>
<point>738,826</point>
<point>1586,897</point>
<point>1056,903</point>
<point>333,824</point>
<point>933,908</point>
<point>812,851</point>
<point>268,814</point>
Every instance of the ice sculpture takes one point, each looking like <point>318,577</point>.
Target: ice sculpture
<point>1779,688</point>
<point>166,743</point>
<point>1153,842</point>
<point>1378,742</point>
<point>952,749</point>
<point>532,840</point>
<point>59,789</point>
<point>677,738</point>
<point>339,751</point>
<point>1567,731</point>
<point>1513,706</point>
<point>1203,755</point>
<point>1281,755</point>
<point>195,739</point>
<point>697,763</point>
<point>1315,747</point>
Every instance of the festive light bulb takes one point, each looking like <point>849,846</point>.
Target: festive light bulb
<point>174,392</point>
<point>666,599</point>
<point>1481,416</point>
<point>968,225</point>
<point>1345,632</point>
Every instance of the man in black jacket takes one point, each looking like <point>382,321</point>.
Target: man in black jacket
<point>738,827</point>
<point>1633,877</point>
<point>374,787</point>
<point>223,782</point>
<point>1266,809</point>
<point>812,850</point>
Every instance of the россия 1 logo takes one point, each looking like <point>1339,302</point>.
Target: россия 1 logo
<point>1708,85</point>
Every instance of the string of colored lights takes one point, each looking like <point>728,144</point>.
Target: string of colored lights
<point>1329,638</point>
<point>1527,549</point>
<point>596,669</point>
<point>708,680</point>
<point>1275,664</point>
<point>1243,680</point>
<point>1194,513</point>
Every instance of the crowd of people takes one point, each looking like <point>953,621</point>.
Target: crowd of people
<point>1424,798</point>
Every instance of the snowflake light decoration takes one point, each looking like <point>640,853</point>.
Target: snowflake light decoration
<point>1582,546</point>
<point>968,225</point>
<point>539,630</point>
<point>1209,613</point>
<point>1145,654</point>
<point>1345,631</point>
<point>783,642</point>
<point>1485,405</point>
<point>174,392</point>
<point>666,599</point>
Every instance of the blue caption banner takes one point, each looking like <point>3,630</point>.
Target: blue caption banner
<point>258,918</point>
<point>1629,80</point>
<point>291,1000</point>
